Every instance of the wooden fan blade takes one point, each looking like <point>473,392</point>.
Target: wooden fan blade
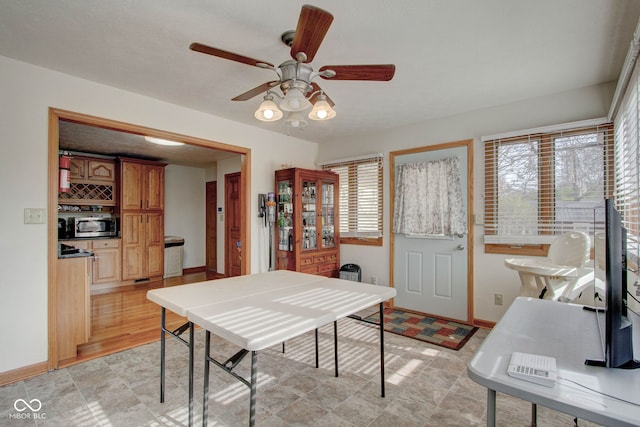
<point>380,72</point>
<point>227,55</point>
<point>313,24</point>
<point>255,91</point>
<point>315,95</point>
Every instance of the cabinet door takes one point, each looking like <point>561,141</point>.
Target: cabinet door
<point>133,246</point>
<point>77,168</point>
<point>155,243</point>
<point>327,210</point>
<point>309,214</point>
<point>100,170</point>
<point>131,186</point>
<point>154,187</point>
<point>106,265</point>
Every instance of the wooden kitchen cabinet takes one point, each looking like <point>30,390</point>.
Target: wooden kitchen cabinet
<point>82,168</point>
<point>106,261</point>
<point>142,219</point>
<point>306,229</point>
<point>142,245</point>
<point>93,182</point>
<point>142,186</point>
<point>74,305</point>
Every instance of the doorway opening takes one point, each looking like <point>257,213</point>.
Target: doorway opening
<point>56,116</point>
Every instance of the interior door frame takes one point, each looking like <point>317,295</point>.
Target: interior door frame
<point>468,143</point>
<point>56,114</point>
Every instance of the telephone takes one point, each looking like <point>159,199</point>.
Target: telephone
<point>533,367</point>
<point>262,207</point>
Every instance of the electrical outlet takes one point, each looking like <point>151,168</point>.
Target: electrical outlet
<point>497,299</point>
<point>374,280</point>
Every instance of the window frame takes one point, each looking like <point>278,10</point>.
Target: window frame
<point>545,176</point>
<point>351,165</point>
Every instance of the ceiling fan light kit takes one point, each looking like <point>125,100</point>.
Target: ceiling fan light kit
<point>295,120</point>
<point>268,110</point>
<point>294,100</point>
<point>299,92</point>
<point>321,109</point>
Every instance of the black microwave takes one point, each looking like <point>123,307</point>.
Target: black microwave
<point>94,227</point>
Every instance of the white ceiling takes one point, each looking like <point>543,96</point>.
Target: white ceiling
<point>451,56</point>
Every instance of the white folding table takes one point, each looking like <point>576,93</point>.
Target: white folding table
<point>570,334</point>
<point>261,310</point>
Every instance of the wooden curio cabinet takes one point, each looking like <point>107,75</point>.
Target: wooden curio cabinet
<point>306,229</point>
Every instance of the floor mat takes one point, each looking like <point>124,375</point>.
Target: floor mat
<point>436,331</point>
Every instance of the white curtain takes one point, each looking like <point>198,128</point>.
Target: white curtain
<point>428,198</point>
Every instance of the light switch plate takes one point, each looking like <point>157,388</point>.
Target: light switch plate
<point>34,215</point>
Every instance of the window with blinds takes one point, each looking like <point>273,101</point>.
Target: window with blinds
<point>360,200</point>
<point>627,162</point>
<point>540,185</point>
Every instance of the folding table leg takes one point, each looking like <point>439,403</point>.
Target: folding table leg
<point>163,319</point>
<point>191,352</point>
<point>381,310</point>
<point>254,387</point>
<point>205,394</point>
<point>317,357</point>
<point>335,345</point>
<point>491,408</point>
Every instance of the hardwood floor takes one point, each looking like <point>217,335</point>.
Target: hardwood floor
<point>123,318</point>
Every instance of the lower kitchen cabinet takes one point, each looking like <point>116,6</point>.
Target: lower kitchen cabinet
<point>74,305</point>
<point>106,261</point>
<point>142,245</point>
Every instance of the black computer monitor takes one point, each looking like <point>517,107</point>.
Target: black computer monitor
<point>619,337</point>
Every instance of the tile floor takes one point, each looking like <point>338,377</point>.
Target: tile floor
<point>426,385</point>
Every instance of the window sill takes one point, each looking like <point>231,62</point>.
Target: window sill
<point>510,249</point>
<point>366,241</point>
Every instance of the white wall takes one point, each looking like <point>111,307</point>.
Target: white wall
<point>27,93</point>
<point>185,208</point>
<point>490,274</point>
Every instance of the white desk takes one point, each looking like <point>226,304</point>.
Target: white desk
<point>261,310</point>
<point>570,334</point>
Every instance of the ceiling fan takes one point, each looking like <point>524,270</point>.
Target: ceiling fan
<point>295,76</point>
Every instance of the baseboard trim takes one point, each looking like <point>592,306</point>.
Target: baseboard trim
<point>23,373</point>
<point>194,269</point>
<point>483,323</point>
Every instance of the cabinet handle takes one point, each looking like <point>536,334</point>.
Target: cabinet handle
<point>140,203</point>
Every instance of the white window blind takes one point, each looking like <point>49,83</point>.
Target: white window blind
<point>360,197</point>
<point>627,159</point>
<point>541,184</point>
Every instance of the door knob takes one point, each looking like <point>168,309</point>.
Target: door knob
<point>460,247</point>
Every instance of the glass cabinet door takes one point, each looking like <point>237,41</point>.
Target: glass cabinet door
<point>309,202</point>
<point>328,223</point>
<point>284,215</point>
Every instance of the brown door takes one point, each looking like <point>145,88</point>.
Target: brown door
<point>233,246</point>
<point>212,226</point>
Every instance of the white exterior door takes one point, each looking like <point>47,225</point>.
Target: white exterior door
<point>431,272</point>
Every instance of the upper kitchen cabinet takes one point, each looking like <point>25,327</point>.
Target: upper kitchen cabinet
<point>142,185</point>
<point>93,182</point>
<point>92,169</point>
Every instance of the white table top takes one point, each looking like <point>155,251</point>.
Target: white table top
<point>258,321</point>
<point>570,334</point>
<point>180,299</point>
